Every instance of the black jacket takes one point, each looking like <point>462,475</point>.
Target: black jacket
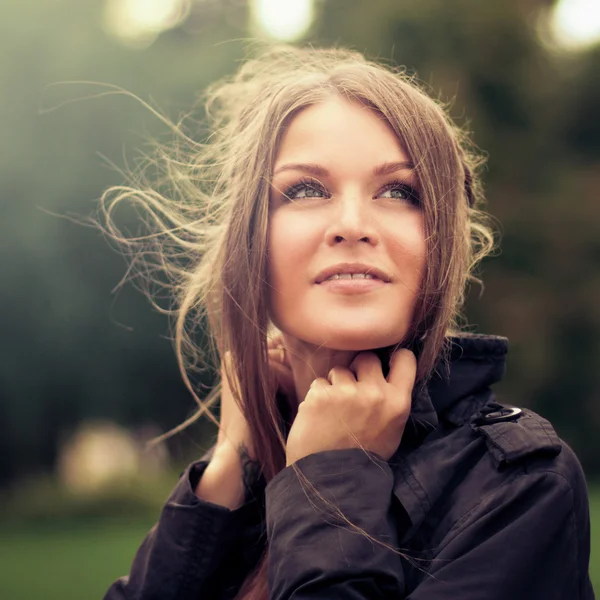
<point>479,502</point>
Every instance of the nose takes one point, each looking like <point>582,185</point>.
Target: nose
<point>351,221</point>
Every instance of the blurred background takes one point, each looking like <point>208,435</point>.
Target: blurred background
<point>88,374</point>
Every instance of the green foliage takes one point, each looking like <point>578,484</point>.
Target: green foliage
<point>44,502</point>
<point>72,351</point>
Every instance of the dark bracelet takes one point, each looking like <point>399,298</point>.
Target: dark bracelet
<point>252,477</point>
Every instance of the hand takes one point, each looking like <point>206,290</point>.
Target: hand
<point>280,367</point>
<point>226,479</point>
<point>355,408</point>
<point>222,482</point>
<point>234,431</point>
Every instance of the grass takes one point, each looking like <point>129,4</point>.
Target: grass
<point>66,563</point>
<point>71,562</point>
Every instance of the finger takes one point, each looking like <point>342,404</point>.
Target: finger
<point>318,388</point>
<point>281,369</point>
<point>320,383</point>
<point>403,370</point>
<point>275,341</point>
<point>367,366</point>
<point>341,376</point>
<point>278,355</point>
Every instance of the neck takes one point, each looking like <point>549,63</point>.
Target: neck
<point>308,362</point>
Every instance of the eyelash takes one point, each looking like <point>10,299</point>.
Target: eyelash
<point>411,193</point>
<point>305,183</point>
<point>312,184</point>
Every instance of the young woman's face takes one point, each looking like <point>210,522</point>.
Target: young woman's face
<point>346,242</point>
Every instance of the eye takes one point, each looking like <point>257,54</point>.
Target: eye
<point>307,188</point>
<point>400,191</point>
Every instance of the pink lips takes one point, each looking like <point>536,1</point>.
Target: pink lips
<point>352,286</point>
<point>378,278</point>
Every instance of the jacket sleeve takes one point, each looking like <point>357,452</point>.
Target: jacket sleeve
<point>528,540</point>
<point>187,545</point>
<point>314,552</point>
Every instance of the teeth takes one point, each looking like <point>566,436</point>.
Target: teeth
<point>351,276</point>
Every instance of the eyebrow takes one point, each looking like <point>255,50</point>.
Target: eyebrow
<point>319,171</point>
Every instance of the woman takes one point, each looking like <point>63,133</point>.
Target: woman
<point>331,224</point>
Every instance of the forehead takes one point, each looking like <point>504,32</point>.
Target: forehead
<point>339,129</point>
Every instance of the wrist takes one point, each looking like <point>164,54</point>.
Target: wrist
<point>225,453</point>
<point>221,483</point>
<point>231,478</point>
<point>228,449</point>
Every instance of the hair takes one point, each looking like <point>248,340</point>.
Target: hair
<point>208,209</point>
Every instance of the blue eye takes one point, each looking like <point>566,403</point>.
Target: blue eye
<point>400,191</point>
<point>307,188</point>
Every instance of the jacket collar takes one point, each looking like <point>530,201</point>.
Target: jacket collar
<point>452,395</point>
<point>475,362</point>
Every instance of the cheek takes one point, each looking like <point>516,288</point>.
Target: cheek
<point>408,249</point>
<point>419,257</point>
<point>291,245</point>
<point>288,257</point>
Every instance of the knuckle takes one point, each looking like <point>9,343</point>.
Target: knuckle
<point>347,391</point>
<point>315,396</point>
<point>336,371</point>
<point>372,394</point>
<point>307,405</point>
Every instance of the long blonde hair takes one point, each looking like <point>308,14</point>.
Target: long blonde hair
<point>209,214</point>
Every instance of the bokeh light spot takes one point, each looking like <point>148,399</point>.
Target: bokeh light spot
<point>575,24</point>
<point>139,22</point>
<point>285,20</point>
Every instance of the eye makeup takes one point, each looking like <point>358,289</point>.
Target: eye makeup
<point>307,187</point>
<point>407,191</point>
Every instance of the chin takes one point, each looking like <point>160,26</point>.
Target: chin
<point>358,341</point>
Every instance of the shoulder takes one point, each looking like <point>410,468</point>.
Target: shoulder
<point>497,461</point>
<point>520,441</point>
<point>498,493</point>
<point>527,475</point>
<point>522,472</point>
<point>529,488</point>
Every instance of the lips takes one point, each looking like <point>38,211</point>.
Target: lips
<point>352,269</point>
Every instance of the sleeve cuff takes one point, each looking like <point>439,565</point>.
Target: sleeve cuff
<point>346,478</point>
<point>184,499</point>
<point>325,515</point>
<point>200,533</point>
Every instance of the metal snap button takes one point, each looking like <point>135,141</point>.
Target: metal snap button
<point>497,416</point>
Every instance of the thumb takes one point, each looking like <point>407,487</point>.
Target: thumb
<point>403,370</point>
